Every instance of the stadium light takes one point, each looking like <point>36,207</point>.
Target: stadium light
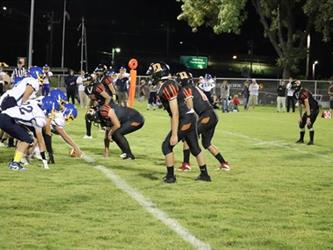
<point>114,51</point>
<point>4,8</point>
<point>234,57</point>
<point>314,69</point>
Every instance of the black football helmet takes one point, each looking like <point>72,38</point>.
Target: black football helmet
<point>296,85</point>
<point>157,71</point>
<point>184,78</point>
<point>101,69</point>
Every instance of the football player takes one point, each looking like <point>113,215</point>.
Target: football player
<point>102,88</point>
<point>207,120</point>
<point>311,107</point>
<point>19,121</point>
<point>120,121</point>
<point>24,90</point>
<point>183,120</point>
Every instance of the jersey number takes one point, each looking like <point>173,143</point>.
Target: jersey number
<point>26,109</point>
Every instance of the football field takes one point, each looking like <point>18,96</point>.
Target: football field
<point>278,194</point>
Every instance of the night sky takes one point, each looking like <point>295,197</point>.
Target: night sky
<point>139,28</point>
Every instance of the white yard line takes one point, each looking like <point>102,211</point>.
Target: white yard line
<point>150,207</point>
<point>279,144</point>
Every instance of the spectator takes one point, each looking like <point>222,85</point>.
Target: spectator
<point>84,99</point>
<point>330,93</point>
<point>4,79</point>
<point>246,94</point>
<point>207,84</point>
<point>71,86</point>
<point>290,96</point>
<point>225,93</point>
<point>122,86</point>
<point>143,90</point>
<point>235,103</point>
<point>152,97</point>
<point>254,92</point>
<point>281,97</point>
<point>19,72</point>
<point>47,80</point>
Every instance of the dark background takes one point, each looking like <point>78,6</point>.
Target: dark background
<point>146,30</point>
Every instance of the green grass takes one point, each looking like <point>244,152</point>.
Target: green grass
<point>278,195</point>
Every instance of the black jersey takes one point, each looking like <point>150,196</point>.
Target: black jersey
<point>200,100</point>
<point>169,91</point>
<point>98,88</point>
<point>124,114</point>
<point>306,94</point>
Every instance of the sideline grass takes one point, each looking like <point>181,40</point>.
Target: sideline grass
<point>279,195</point>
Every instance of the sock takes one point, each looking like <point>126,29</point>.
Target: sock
<point>220,158</point>
<point>18,156</point>
<point>311,135</point>
<point>170,171</point>
<point>88,127</point>
<point>186,155</point>
<point>11,142</point>
<point>48,143</point>
<point>203,170</point>
<point>301,135</point>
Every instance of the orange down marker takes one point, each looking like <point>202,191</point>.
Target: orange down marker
<point>132,64</point>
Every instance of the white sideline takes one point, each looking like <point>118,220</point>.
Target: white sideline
<point>150,207</point>
<point>279,144</point>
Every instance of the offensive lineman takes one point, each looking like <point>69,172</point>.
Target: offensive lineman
<point>207,120</point>
<point>183,120</point>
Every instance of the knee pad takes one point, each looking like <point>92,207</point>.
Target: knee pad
<point>166,147</point>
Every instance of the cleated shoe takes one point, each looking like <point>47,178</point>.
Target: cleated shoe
<point>169,179</point>
<point>16,166</point>
<point>310,143</point>
<point>203,177</point>
<point>300,141</point>
<point>185,167</point>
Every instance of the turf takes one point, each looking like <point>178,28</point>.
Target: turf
<point>278,195</point>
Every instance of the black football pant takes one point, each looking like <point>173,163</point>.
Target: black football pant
<point>187,130</point>
<point>71,92</point>
<point>290,103</point>
<point>134,123</point>
<point>206,127</point>
<point>313,116</point>
<point>15,130</point>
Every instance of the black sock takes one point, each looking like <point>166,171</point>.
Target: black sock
<point>11,142</point>
<point>203,170</point>
<point>48,143</point>
<point>186,155</point>
<point>88,127</point>
<point>301,135</point>
<point>170,171</point>
<point>220,158</point>
<point>311,135</point>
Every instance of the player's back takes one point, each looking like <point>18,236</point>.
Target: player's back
<point>200,100</point>
<point>18,91</point>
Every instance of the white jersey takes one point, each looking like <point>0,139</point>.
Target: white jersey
<point>29,114</point>
<point>46,79</point>
<point>18,91</point>
<point>58,121</point>
<point>207,85</point>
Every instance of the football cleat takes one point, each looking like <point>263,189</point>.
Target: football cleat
<point>185,167</point>
<point>310,143</point>
<point>169,179</point>
<point>300,141</point>
<point>87,137</point>
<point>16,166</point>
<point>203,177</point>
<point>225,166</point>
<point>123,155</point>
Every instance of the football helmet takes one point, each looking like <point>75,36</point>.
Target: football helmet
<point>184,78</point>
<point>158,71</point>
<point>49,104</point>
<point>208,76</point>
<point>296,85</point>
<point>101,69</point>
<point>59,96</point>
<point>70,111</point>
<point>37,73</point>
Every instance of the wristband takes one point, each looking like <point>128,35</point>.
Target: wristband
<point>42,154</point>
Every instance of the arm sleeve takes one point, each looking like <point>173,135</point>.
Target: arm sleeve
<point>187,92</point>
<point>100,88</point>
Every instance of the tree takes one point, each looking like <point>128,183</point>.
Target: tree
<point>286,22</point>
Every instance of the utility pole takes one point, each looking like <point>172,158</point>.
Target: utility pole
<point>307,56</point>
<point>31,33</point>
<point>51,22</point>
<point>63,36</point>
<point>83,42</point>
